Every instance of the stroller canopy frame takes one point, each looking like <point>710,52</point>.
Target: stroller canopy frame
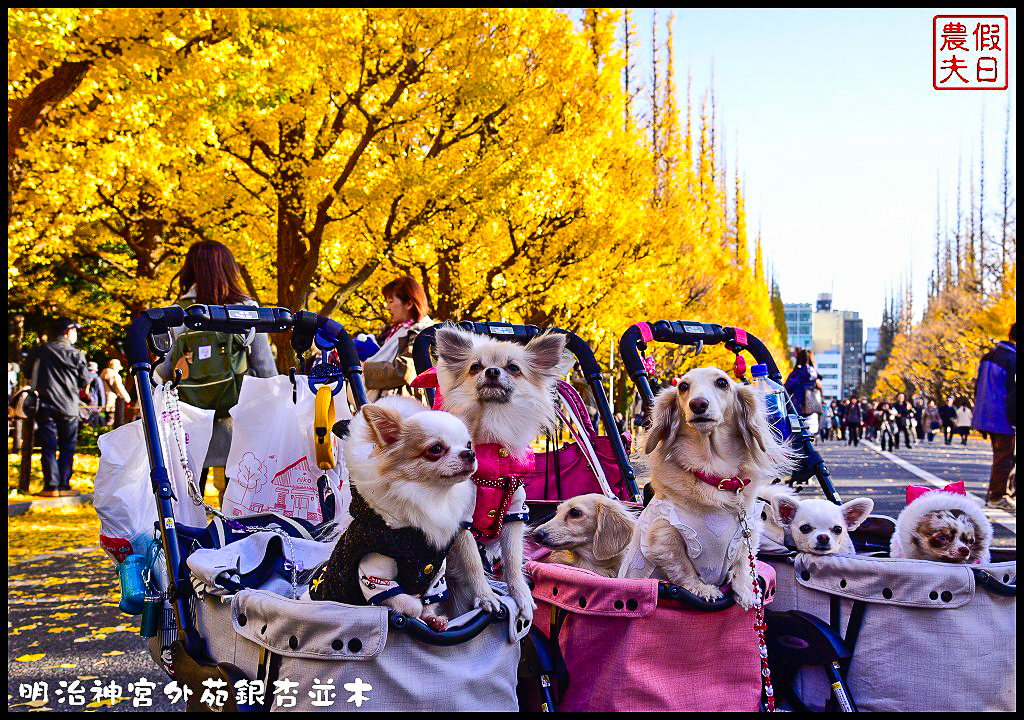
<point>149,333</point>
<point>522,334</point>
<point>682,332</point>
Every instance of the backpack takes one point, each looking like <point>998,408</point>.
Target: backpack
<point>212,366</point>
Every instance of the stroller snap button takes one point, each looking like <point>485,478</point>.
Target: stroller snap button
<point>355,645</point>
<point>632,604</point>
<point>933,595</point>
<point>293,642</point>
<point>619,604</point>
<point>886,593</point>
<point>583,602</point>
<point>337,645</point>
<point>241,620</point>
<point>946,596</point>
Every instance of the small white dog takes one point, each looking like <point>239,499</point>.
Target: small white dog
<point>505,393</point>
<point>710,450</point>
<point>820,527</point>
<point>412,498</point>
<point>589,532</point>
<point>944,527</point>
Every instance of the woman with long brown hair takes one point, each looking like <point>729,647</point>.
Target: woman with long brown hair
<point>390,366</point>
<point>212,276</point>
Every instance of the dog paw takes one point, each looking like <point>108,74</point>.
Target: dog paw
<point>487,599</point>
<point>525,602</point>
<point>745,597</point>
<point>405,604</point>
<point>437,623</point>
<point>705,591</point>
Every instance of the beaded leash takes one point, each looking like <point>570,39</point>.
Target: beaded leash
<point>178,429</point>
<point>759,624</point>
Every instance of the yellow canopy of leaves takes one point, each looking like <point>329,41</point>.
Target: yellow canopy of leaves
<point>480,150</point>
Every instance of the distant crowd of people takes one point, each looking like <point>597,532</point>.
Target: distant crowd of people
<point>904,422</point>
<point>901,422</point>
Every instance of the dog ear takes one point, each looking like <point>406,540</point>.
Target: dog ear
<point>454,346</point>
<point>566,364</point>
<point>664,419</point>
<point>545,352</point>
<point>614,531</point>
<point>385,425</point>
<point>856,511</point>
<point>785,508</point>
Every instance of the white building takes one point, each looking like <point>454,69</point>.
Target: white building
<point>830,370</point>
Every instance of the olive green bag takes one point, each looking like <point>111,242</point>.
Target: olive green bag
<point>212,366</point>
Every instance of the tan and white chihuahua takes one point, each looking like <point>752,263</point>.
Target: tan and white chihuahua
<point>412,497</point>
<point>505,393</point>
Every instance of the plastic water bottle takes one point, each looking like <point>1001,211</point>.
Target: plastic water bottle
<point>775,401</point>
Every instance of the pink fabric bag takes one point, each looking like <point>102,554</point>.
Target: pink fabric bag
<point>626,652</point>
<point>569,471</point>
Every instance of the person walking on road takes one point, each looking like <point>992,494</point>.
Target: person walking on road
<point>904,418</point>
<point>917,412</point>
<point>115,389</point>
<point>94,396</point>
<point>947,413</point>
<point>854,418</point>
<point>932,419</point>
<point>801,385</point>
<point>964,417</point>
<point>212,380</point>
<point>59,373</point>
<point>886,426</point>
<point>869,420</point>
<point>995,413</point>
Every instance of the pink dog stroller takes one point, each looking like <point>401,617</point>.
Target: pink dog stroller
<point>588,627</point>
<point>849,633</point>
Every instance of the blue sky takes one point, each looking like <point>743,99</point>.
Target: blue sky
<point>841,138</point>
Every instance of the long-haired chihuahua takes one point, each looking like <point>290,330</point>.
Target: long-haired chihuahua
<point>505,393</point>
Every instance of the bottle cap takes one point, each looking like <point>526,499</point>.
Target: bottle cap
<point>759,371</point>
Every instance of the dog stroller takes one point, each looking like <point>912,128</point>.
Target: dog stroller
<point>601,625</point>
<point>869,632</point>
<point>236,631</point>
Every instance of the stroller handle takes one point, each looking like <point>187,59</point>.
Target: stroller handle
<point>149,332</point>
<point>680,594</point>
<point>425,634</point>
<point>685,332</point>
<point>522,334</point>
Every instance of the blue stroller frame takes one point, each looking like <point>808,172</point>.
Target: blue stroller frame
<point>190,654</point>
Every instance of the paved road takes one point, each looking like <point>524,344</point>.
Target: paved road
<point>865,470</point>
<point>64,605</point>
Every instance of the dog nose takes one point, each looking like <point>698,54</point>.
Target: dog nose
<point>699,405</point>
<point>492,373</point>
<point>823,539</point>
<point>540,535</point>
<point>964,551</point>
<point>468,455</point>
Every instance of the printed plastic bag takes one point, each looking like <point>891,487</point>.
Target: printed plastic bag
<point>271,465</point>
<point>123,493</point>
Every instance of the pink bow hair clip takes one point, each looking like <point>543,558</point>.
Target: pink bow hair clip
<point>916,491</point>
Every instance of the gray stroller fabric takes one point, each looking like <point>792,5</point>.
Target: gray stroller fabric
<point>930,640</point>
<point>320,644</point>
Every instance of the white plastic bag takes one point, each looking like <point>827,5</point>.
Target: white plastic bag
<point>271,465</point>
<point>123,492</point>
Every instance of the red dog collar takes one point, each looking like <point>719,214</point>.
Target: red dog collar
<point>731,484</point>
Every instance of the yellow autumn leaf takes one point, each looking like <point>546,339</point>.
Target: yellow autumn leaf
<point>30,658</point>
